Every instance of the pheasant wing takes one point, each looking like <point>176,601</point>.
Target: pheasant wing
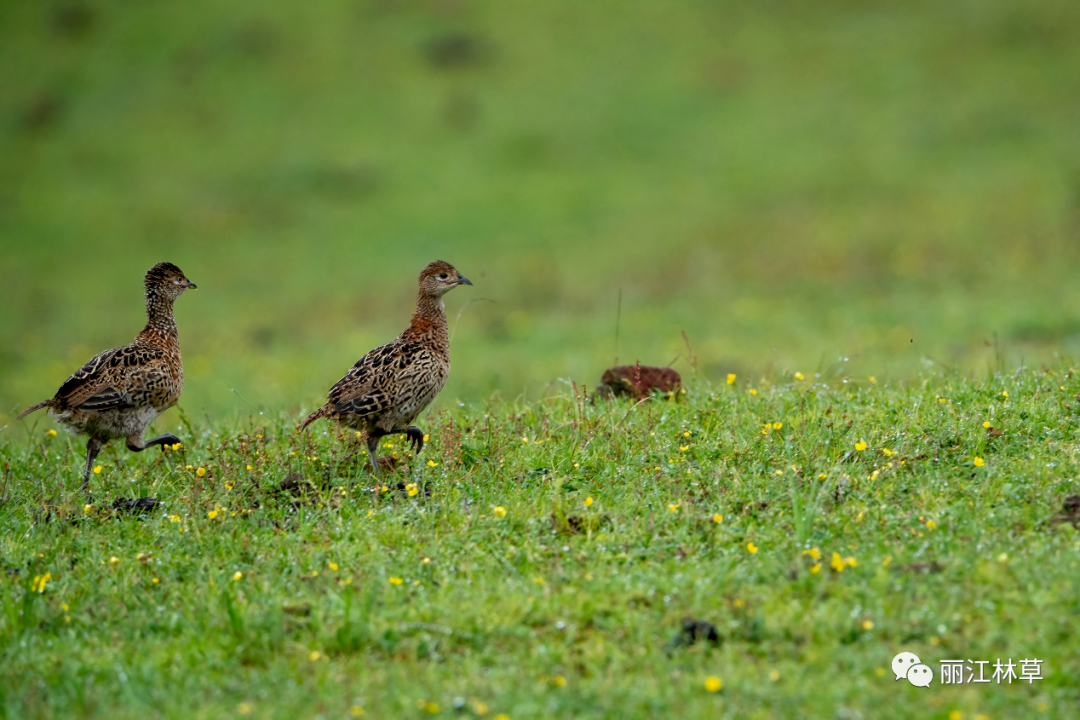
<point>368,386</point>
<point>116,379</point>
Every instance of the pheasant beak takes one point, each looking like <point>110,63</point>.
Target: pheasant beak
<point>190,285</point>
<point>462,280</point>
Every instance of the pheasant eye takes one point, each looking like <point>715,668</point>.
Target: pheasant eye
<point>442,276</point>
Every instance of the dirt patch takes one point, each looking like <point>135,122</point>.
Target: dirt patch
<point>1069,512</point>
<point>691,632</point>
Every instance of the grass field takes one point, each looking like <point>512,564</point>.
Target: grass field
<point>789,183</point>
<point>847,190</point>
<point>538,560</point>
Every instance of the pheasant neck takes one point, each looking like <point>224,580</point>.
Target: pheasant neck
<point>429,320</point>
<point>160,321</point>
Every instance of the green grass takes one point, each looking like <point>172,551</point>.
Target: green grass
<point>788,182</point>
<point>288,607</point>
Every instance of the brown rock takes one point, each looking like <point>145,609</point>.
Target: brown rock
<point>638,381</point>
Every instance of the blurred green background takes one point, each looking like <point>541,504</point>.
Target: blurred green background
<point>788,182</point>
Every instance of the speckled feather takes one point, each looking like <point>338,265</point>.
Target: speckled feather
<point>119,392</point>
<point>391,385</point>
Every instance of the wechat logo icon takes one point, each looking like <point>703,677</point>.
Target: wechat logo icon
<point>907,665</point>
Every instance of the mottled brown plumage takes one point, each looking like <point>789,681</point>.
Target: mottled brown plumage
<point>387,388</point>
<point>119,392</point>
<point>639,381</point>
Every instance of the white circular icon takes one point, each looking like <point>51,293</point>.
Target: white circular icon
<point>903,662</point>
<point>920,675</point>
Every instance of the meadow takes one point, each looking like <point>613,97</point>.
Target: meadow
<point>867,213</point>
<point>539,560</point>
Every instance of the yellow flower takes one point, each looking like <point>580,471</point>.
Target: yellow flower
<point>837,562</point>
<point>411,489</point>
<point>753,391</point>
<point>426,437</point>
<point>88,508</point>
<point>799,376</point>
<point>777,425</point>
<point>174,518</point>
<point>851,562</point>
<point>97,469</point>
<point>333,566</point>
<point>713,684</point>
<point>930,524</point>
<point>887,451</point>
<point>431,708</point>
<point>813,552</point>
<point>751,548</point>
<point>868,625</point>
<point>822,476</point>
<point>237,575</point>
<point>248,467</point>
<point>686,433</point>
<point>177,446</point>
<point>314,655</point>
<point>731,378</point>
<point>525,439</point>
<point>502,716</point>
<point>978,461</point>
<point>201,472</point>
<point>38,583</point>
<point>815,568</point>
<point>588,501</point>
<point>356,711</point>
<point>50,433</point>
<point>956,715</point>
<point>887,561</point>
<point>873,380</point>
<point>212,514</point>
<point>432,463</point>
<point>684,448</point>
<point>244,708</point>
<point>987,425</point>
<point>718,518</point>
<point>155,581</point>
<point>499,511</point>
<point>860,446</point>
<point>396,581</point>
<point>558,681</point>
<point>1005,394</point>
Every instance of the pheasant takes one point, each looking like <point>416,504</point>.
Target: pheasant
<point>386,389</point>
<point>119,392</point>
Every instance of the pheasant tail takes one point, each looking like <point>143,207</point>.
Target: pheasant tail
<point>32,408</point>
<point>321,412</point>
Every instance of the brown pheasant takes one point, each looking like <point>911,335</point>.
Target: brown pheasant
<point>121,391</point>
<point>387,388</point>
